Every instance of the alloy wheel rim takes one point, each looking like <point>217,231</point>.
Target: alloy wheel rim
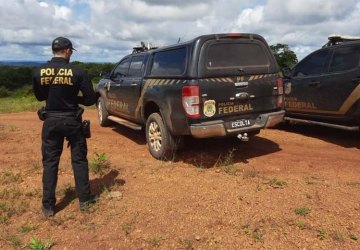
<point>155,136</point>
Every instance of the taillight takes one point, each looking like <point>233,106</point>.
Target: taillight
<point>191,101</point>
<point>280,87</point>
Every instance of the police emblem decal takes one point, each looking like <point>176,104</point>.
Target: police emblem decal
<point>209,108</point>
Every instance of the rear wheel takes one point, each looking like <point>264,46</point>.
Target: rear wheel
<point>102,113</point>
<point>161,143</point>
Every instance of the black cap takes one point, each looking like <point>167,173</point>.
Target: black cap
<point>60,43</point>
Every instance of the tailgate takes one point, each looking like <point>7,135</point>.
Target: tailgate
<point>234,96</point>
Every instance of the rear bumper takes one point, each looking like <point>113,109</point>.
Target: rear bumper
<point>217,128</point>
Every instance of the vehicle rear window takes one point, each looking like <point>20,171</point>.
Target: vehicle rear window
<point>225,55</point>
<point>170,62</point>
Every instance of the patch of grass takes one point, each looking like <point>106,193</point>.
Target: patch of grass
<point>302,225</point>
<point>321,234</point>
<point>353,236</point>
<point>302,211</point>
<point>26,229</point>
<point>8,209</point>
<point>155,241</point>
<point>186,244</point>
<point>99,163</point>
<point>246,229</point>
<point>276,183</point>
<point>13,240</point>
<point>36,244</point>
<point>9,177</point>
<point>128,227</point>
<point>227,160</point>
<point>258,234</point>
<point>20,100</point>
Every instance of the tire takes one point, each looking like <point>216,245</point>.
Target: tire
<point>102,113</point>
<point>161,143</point>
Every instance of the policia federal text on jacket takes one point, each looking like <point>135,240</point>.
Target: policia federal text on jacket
<point>58,83</point>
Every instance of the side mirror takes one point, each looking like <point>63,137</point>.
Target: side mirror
<point>105,74</point>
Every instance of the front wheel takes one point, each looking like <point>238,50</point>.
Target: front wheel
<point>102,113</point>
<point>161,143</point>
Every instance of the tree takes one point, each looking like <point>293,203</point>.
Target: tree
<point>285,57</point>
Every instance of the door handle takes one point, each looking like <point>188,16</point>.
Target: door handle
<point>133,84</point>
<point>314,83</point>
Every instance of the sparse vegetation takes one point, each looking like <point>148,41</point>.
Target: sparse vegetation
<point>8,209</point>
<point>155,241</point>
<point>302,211</point>
<point>186,244</point>
<point>14,240</point>
<point>276,183</point>
<point>258,234</point>
<point>27,228</point>
<point>36,244</point>
<point>321,234</point>
<point>99,163</point>
<point>9,177</point>
<point>128,226</point>
<point>302,224</point>
<point>354,236</point>
<point>226,160</point>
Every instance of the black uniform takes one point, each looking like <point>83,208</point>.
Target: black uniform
<point>59,83</point>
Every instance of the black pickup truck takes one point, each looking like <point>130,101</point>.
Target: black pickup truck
<point>212,86</point>
<point>324,88</point>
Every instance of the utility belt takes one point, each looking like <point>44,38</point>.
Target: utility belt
<point>44,114</point>
<point>85,124</point>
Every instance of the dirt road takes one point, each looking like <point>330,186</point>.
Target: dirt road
<point>287,188</point>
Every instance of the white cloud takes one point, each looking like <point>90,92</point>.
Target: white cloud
<point>105,30</point>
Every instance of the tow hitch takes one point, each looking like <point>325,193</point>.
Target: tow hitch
<point>243,137</point>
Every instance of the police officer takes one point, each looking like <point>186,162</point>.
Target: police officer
<point>58,83</point>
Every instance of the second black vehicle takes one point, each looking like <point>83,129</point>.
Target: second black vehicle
<point>212,86</point>
<point>324,88</point>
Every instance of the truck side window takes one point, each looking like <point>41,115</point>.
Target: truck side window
<point>314,64</point>
<point>121,69</point>
<point>137,66</point>
<point>345,59</point>
<point>170,62</point>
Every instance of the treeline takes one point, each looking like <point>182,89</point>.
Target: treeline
<point>15,77</point>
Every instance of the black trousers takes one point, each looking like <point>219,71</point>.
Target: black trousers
<point>54,131</point>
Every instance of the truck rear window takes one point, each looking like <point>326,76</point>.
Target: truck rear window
<point>235,55</point>
<point>170,62</point>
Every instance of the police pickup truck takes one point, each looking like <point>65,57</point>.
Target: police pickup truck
<point>212,86</point>
<point>324,88</point>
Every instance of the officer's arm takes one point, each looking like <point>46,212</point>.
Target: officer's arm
<point>38,90</point>
<point>88,94</point>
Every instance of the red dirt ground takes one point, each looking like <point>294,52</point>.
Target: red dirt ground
<point>291,187</point>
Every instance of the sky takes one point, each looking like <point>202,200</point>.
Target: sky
<point>107,30</point>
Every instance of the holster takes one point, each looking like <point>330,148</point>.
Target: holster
<point>41,113</point>
<point>86,128</point>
